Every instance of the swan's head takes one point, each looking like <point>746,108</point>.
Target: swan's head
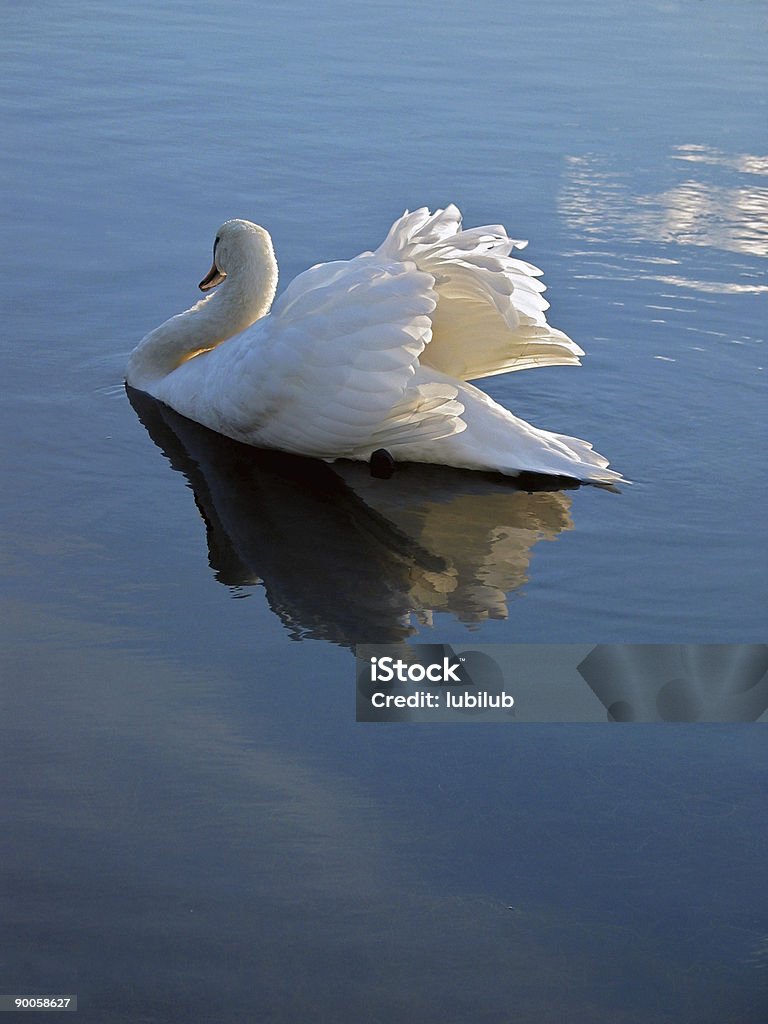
<point>239,245</point>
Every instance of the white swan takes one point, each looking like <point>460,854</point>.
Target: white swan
<point>370,353</point>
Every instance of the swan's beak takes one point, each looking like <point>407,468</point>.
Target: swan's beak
<point>211,279</point>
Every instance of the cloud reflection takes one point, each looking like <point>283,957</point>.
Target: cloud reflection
<point>745,163</point>
<point>731,216</point>
<point>348,558</point>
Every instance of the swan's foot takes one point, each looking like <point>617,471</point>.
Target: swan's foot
<point>382,465</point>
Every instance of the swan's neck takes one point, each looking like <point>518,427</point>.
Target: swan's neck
<point>242,298</point>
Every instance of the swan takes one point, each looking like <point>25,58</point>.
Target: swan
<point>370,353</point>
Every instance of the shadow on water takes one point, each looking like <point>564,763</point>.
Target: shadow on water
<point>346,557</point>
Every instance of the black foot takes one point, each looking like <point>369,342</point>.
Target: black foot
<point>382,465</point>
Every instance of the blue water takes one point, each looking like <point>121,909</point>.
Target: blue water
<point>194,827</point>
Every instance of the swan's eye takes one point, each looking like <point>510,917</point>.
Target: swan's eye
<point>215,243</point>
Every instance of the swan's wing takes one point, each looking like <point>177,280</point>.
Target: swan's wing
<point>335,363</point>
<point>490,312</point>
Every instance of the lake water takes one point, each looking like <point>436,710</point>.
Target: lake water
<point>195,828</point>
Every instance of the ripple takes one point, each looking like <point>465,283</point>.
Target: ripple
<point>729,216</point>
<point>712,287</point>
<point>745,163</point>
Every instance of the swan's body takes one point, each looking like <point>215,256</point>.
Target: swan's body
<point>374,352</point>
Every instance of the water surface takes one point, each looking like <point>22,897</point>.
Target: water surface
<point>195,828</point>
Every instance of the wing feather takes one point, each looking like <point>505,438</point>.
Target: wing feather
<point>340,356</point>
<point>490,316</point>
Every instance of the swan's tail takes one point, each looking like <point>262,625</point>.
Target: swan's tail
<point>497,441</point>
<point>490,312</point>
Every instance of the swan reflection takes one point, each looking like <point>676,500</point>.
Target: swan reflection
<point>349,558</point>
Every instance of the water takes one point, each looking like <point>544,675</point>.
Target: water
<point>194,826</point>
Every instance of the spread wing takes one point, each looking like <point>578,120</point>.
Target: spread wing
<point>490,315</point>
